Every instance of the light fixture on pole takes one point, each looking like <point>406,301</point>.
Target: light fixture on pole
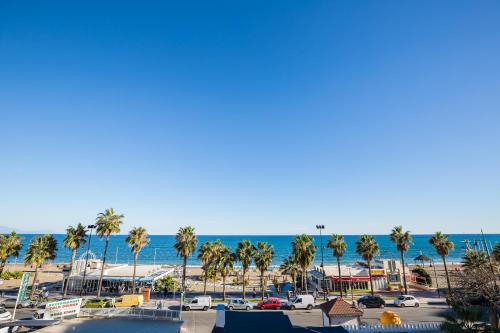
<point>90,227</point>
<point>320,227</point>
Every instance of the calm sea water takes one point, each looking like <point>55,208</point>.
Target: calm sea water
<point>161,251</point>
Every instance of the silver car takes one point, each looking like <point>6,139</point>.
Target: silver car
<point>11,302</point>
<point>238,304</point>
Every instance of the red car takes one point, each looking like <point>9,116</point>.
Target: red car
<point>269,304</point>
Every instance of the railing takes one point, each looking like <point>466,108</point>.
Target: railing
<point>406,327</point>
<point>139,313</point>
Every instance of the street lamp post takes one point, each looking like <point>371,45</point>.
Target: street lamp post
<point>91,227</point>
<point>436,277</point>
<point>321,227</point>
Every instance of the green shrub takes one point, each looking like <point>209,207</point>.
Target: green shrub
<point>11,275</point>
<point>423,276</point>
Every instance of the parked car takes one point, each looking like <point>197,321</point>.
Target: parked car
<point>406,300</point>
<point>5,315</point>
<point>269,304</point>
<point>370,301</point>
<point>198,303</point>
<point>127,301</point>
<point>238,304</point>
<point>301,302</point>
<point>98,303</point>
<point>11,303</point>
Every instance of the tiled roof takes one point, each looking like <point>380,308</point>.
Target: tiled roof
<point>341,308</point>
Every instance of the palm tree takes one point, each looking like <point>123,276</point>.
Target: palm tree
<point>290,267</point>
<point>137,239</point>
<point>475,259</point>
<point>367,248</point>
<point>10,245</point>
<point>496,252</point>
<point>303,253</point>
<point>216,249</point>
<point>443,247</point>
<point>338,245</point>
<point>75,238</point>
<point>41,248</point>
<point>226,265</point>
<point>402,241</point>
<point>245,253</point>
<point>205,256</point>
<point>185,244</point>
<point>108,223</point>
<point>263,259</point>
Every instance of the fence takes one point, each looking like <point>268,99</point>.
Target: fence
<point>136,313</point>
<point>406,327</point>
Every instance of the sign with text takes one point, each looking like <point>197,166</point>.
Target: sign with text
<point>61,309</point>
<point>21,295</point>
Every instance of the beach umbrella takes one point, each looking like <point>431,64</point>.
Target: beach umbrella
<point>422,258</point>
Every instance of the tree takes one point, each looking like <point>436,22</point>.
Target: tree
<point>108,223</point>
<point>205,256</point>
<point>225,263</point>
<point>185,244</point>
<point>474,259</point>
<point>75,238</point>
<point>137,239</point>
<point>216,249</point>
<point>496,252</point>
<point>263,259</point>
<point>290,267</point>
<point>303,250</point>
<point>443,247</point>
<point>466,320</point>
<point>41,248</point>
<point>477,284</point>
<point>245,253</point>
<point>338,245</point>
<point>403,240</point>
<point>367,247</point>
<point>167,284</point>
<point>10,245</point>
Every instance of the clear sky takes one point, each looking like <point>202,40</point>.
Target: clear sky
<point>251,117</point>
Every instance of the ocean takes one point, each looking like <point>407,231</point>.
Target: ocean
<point>160,249</point>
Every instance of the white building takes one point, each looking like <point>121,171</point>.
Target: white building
<point>338,312</point>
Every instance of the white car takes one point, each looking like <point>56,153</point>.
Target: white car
<point>301,302</point>
<point>406,300</point>
<point>4,315</point>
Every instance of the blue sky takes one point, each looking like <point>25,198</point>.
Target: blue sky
<point>251,117</point>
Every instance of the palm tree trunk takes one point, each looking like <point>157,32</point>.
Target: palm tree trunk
<point>304,276</point>
<point>184,264</point>
<point>244,273</point>
<point>99,286</point>
<point>340,278</point>
<point>224,288</point>
<point>2,265</point>
<point>133,276</point>
<point>32,293</point>
<point>215,279</point>
<point>205,282</point>
<point>404,272</point>
<point>73,255</point>
<point>294,278</point>
<point>370,274</point>
<point>447,277</point>
<point>262,284</point>
<point>493,316</point>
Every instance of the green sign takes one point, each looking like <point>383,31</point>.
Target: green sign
<point>23,287</point>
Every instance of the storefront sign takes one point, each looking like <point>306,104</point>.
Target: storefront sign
<point>61,309</point>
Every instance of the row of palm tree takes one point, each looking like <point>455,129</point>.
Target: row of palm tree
<point>366,246</point>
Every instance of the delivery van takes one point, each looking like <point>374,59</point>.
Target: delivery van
<point>198,303</point>
<point>301,302</point>
<point>129,301</point>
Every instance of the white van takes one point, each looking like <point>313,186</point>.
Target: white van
<point>198,303</point>
<point>301,302</point>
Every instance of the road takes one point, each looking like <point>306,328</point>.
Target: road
<point>203,322</point>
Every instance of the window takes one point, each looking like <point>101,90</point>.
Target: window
<point>195,301</point>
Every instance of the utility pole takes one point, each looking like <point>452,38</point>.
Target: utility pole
<point>90,227</point>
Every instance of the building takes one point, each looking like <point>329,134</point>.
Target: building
<point>338,312</point>
<point>117,278</point>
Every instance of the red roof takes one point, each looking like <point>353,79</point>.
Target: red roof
<point>340,308</point>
